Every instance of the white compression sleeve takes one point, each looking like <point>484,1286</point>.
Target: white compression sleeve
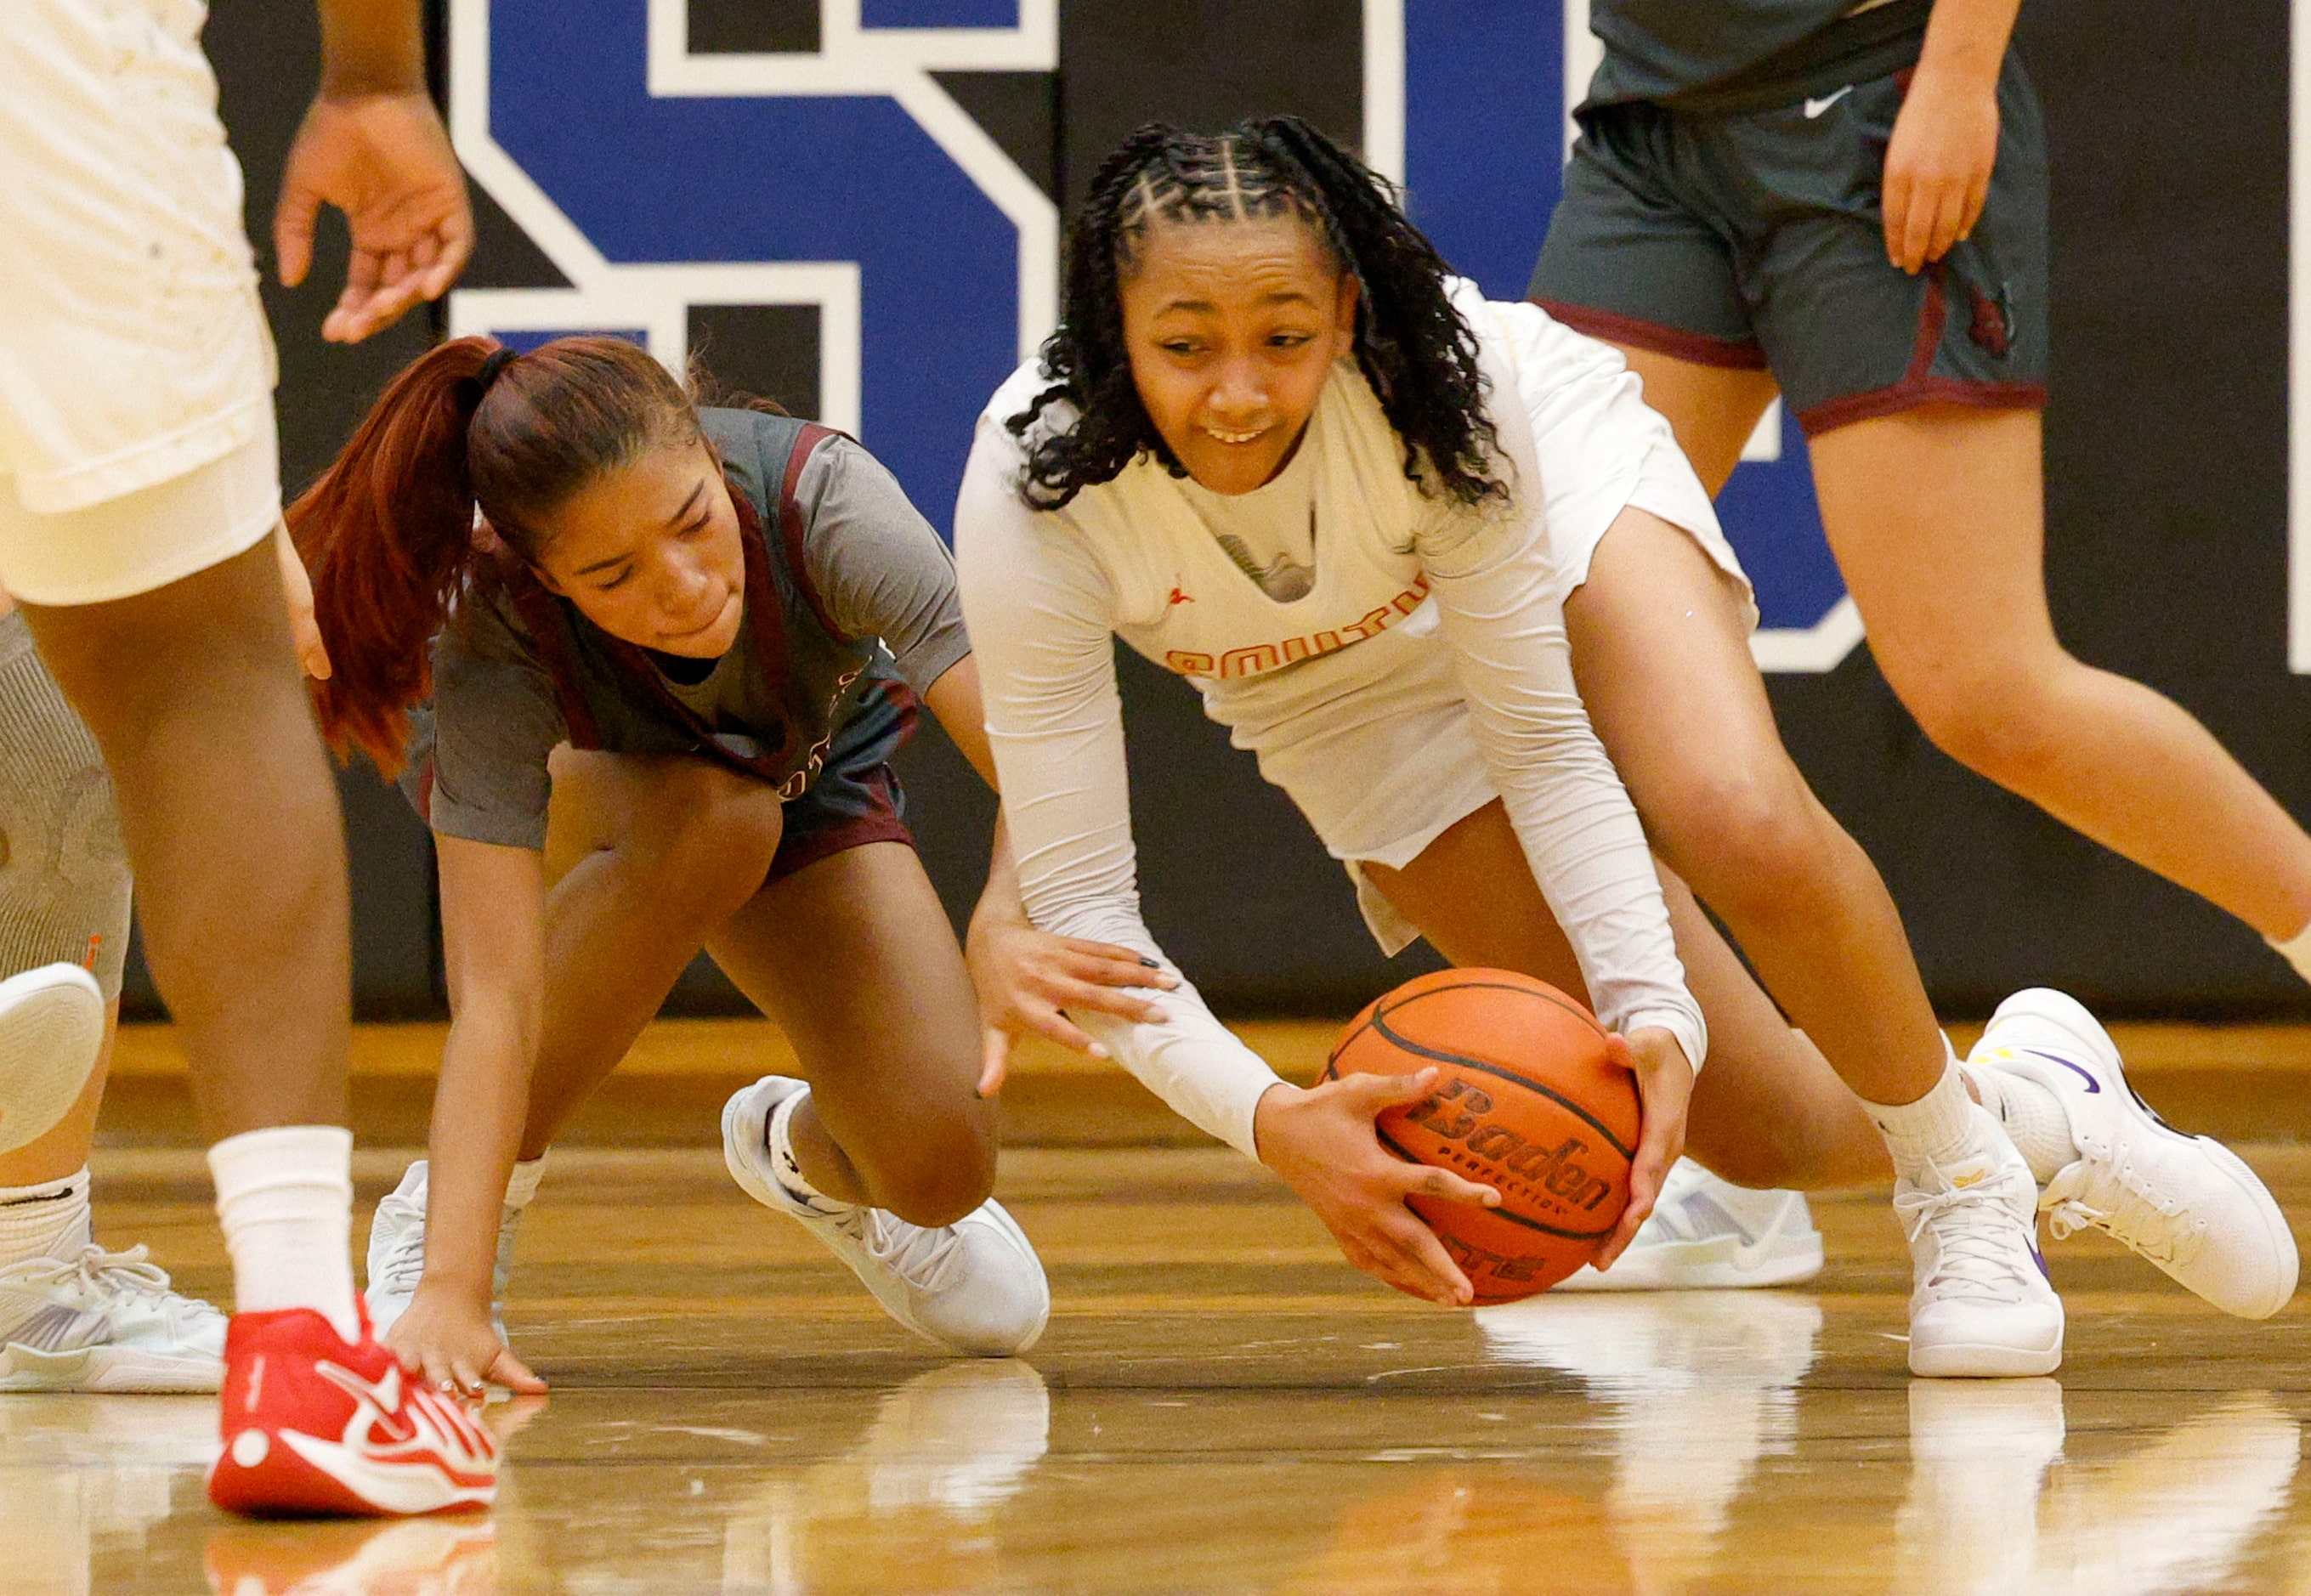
<point>1580,832</point>
<point>1037,608</point>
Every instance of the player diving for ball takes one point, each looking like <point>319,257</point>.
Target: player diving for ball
<point>727,618</point>
<point>1396,535</point>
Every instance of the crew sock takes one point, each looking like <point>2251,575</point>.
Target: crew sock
<point>285,1196</point>
<point>521,1186</point>
<point>1939,1130</point>
<point>2033,1116</point>
<point>46,1219</point>
<point>785,1167</point>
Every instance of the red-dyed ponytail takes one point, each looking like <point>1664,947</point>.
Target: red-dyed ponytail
<point>388,532</point>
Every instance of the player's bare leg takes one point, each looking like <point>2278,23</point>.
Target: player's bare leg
<point>1937,516</point>
<point>1937,519</point>
<point>1767,1110</point>
<point>1655,624</point>
<point>231,817</point>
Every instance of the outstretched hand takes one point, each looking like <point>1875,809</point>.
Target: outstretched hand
<point>385,160</point>
<point>1322,1142</point>
<point>1027,978</point>
<point>452,1344</point>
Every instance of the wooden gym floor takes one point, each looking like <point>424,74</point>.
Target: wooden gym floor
<point>1220,1405</point>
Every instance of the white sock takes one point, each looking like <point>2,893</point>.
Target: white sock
<point>1939,1129</point>
<point>48,1219</point>
<point>2297,951</point>
<point>2033,1116</point>
<point>522,1186</point>
<point>285,1196</point>
<point>784,1166</point>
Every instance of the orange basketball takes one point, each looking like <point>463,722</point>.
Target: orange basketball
<point>1528,1102</point>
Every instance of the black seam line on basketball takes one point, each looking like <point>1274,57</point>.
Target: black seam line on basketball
<point>1565,1003</point>
<point>1380,1024</point>
<point>1559,999</point>
<point>1390,1143</point>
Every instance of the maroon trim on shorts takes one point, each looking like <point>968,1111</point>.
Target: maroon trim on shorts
<point>837,839</point>
<point>1732,354</point>
<point>1911,396</point>
<point>1919,386</point>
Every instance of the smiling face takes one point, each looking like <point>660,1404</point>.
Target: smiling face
<point>650,552</point>
<point>1233,326</point>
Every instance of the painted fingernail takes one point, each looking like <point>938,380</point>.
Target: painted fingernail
<point>1151,964</point>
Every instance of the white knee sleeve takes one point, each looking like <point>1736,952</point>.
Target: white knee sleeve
<point>51,1034</point>
<point>63,874</point>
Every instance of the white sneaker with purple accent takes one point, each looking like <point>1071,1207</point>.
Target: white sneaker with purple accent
<point>2187,1203</point>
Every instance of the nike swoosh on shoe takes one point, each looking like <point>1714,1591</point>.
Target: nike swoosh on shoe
<point>2092,1085</point>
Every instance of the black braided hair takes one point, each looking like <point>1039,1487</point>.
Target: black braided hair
<point>1412,346</point>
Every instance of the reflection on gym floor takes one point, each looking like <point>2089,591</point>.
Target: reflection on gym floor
<point>1221,1407</point>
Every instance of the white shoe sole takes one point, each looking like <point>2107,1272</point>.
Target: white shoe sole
<point>1714,1265</point>
<point>51,1033</point>
<point>1961,1360</point>
<point>122,1370</point>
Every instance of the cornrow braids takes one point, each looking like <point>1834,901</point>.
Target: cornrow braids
<point>1413,347</point>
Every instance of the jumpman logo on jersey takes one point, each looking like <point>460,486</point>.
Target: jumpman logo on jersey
<point>1179,597</point>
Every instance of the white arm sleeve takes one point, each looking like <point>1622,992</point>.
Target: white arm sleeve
<point>1494,593</point>
<point>1037,604</point>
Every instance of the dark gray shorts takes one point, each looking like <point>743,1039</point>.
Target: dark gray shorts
<point>1755,241</point>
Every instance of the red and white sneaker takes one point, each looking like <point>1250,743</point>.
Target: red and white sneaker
<point>313,1425</point>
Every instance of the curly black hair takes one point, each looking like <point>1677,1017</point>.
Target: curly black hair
<point>1412,344</point>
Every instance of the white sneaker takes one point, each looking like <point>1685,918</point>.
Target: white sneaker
<point>1982,1304</point>
<point>975,1285</point>
<point>397,1254</point>
<point>93,1321</point>
<point>51,1033</point>
<point>2185,1202</point>
<point>1707,1233</point>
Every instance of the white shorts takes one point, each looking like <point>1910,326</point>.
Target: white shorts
<point>133,345</point>
<point>1374,743</point>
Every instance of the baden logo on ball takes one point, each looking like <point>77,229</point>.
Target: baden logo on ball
<point>1528,1102</point>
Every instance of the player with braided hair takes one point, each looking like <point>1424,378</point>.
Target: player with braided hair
<point>1382,525</point>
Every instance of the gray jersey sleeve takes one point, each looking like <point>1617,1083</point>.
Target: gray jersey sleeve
<point>496,720</point>
<point>878,567</point>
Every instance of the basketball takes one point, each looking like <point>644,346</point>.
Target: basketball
<point>1530,1103</point>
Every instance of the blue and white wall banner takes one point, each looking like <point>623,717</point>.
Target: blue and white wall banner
<point>660,179</point>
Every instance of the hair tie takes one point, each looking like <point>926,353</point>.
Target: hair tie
<point>498,360</point>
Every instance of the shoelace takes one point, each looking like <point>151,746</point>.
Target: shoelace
<point>96,1273</point>
<point>925,1259</point>
<point>2108,1194</point>
<point>1972,1253</point>
<point>404,1263</point>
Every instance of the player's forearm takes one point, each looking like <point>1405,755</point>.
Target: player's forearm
<point>479,1110</point>
<point>1967,39</point>
<point>372,46</point>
